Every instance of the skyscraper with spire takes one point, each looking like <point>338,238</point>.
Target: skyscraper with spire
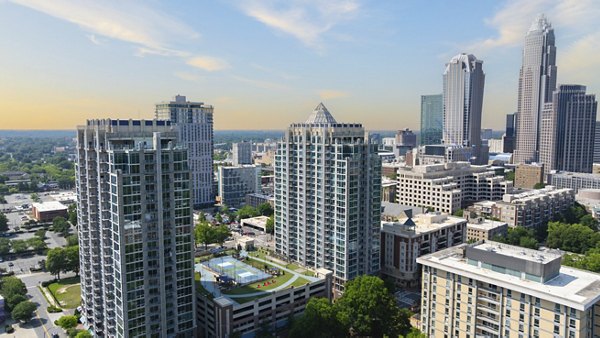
<point>463,101</point>
<point>328,197</point>
<point>537,81</point>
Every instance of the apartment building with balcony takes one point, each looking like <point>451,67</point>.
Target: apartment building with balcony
<point>134,209</point>
<point>489,289</point>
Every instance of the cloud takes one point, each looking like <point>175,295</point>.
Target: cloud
<point>187,76</point>
<point>305,20</point>
<point>327,94</point>
<point>208,63</point>
<point>150,30</point>
<point>580,60</point>
<point>513,20</point>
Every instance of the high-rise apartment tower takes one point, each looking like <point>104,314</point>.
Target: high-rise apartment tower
<point>135,229</point>
<point>242,153</point>
<point>194,121</point>
<point>328,197</point>
<point>432,119</point>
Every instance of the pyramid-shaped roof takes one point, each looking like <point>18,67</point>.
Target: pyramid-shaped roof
<point>321,115</point>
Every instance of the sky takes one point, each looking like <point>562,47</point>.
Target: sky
<point>264,64</point>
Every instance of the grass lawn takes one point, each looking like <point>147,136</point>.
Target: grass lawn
<point>299,282</point>
<point>253,287</point>
<point>67,292</point>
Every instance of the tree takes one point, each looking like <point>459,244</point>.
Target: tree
<point>61,226</point>
<point>41,233</point>
<point>14,300</point>
<point>56,261</point>
<point>270,226</point>
<point>539,185</point>
<point>72,214</point>
<point>23,311</point>
<point>12,286</point>
<point>218,218</point>
<point>4,246</point>
<point>37,244</point>
<point>265,209</point>
<point>415,333</point>
<point>84,334</point>
<point>247,211</point>
<point>72,240</point>
<point>201,217</point>
<point>19,245</point>
<point>3,222</point>
<point>458,213</point>
<point>367,308</point>
<point>204,234</point>
<point>589,221</point>
<point>319,321</point>
<point>510,176</point>
<point>67,322</point>
<point>575,238</point>
<point>221,233</point>
<point>72,256</point>
<point>520,236</point>
<point>35,197</point>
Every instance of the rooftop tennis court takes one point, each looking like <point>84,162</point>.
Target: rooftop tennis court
<point>240,272</point>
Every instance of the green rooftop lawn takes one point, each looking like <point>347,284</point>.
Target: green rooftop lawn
<point>67,292</point>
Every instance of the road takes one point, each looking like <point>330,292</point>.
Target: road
<point>42,325</point>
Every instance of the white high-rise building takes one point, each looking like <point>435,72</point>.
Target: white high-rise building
<point>328,197</point>
<point>135,228</point>
<point>194,121</point>
<point>537,81</point>
<point>463,101</point>
<point>235,182</point>
<point>242,153</point>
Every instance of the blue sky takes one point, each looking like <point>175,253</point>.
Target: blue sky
<point>265,64</point>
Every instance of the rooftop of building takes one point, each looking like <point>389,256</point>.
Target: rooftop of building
<point>421,224</point>
<point>534,194</point>
<point>49,206</point>
<point>399,210</point>
<point>571,287</point>
<point>321,115</point>
<point>484,224</point>
<point>574,174</point>
<point>238,289</point>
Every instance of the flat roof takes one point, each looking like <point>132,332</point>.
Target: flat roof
<point>531,255</point>
<point>422,223</point>
<point>572,287</point>
<point>486,224</point>
<point>49,206</point>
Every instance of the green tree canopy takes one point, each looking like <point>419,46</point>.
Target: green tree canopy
<point>204,234</point>
<point>4,246</point>
<point>520,236</point>
<point>83,334</point>
<point>3,222</point>
<point>270,226</point>
<point>72,240</point>
<point>61,226</point>
<point>247,212</point>
<point>37,243</point>
<point>23,311</point>
<point>318,321</point>
<point>72,214</point>
<point>221,233</point>
<point>72,256</point>
<point>14,300</point>
<point>56,261</point>
<point>19,245</point>
<point>12,286</point>
<point>67,322</point>
<point>265,209</point>
<point>575,238</point>
<point>459,213</point>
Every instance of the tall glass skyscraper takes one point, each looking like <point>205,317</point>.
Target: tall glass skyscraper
<point>135,227</point>
<point>432,119</point>
<point>568,127</point>
<point>328,197</point>
<point>464,82</point>
<point>537,81</point>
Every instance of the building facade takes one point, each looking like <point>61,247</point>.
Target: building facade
<point>241,153</point>
<point>234,183</point>
<point>528,175</point>
<point>405,240</point>
<point>463,101</point>
<point>489,289</point>
<point>479,229</point>
<point>328,197</point>
<point>194,122</point>
<point>508,139</point>
<point>568,130</point>
<point>449,187</point>
<point>406,140</point>
<point>537,81</point>
<point>597,143</point>
<point>574,181</point>
<point>432,119</point>
<point>135,226</point>
<point>532,209</point>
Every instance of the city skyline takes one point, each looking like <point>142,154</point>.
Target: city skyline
<point>117,60</point>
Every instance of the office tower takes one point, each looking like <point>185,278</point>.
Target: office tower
<point>194,121</point>
<point>489,289</point>
<point>568,130</point>
<point>406,140</point>
<point>597,143</point>
<point>432,119</point>
<point>463,100</point>
<point>537,81</point>
<point>487,134</point>
<point>235,182</point>
<point>135,229</point>
<point>328,197</point>
<point>242,153</point>
<point>508,138</point>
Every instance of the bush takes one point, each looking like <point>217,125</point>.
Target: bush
<point>9,329</point>
<point>53,309</point>
<point>72,332</point>
<point>46,283</point>
<point>66,322</point>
